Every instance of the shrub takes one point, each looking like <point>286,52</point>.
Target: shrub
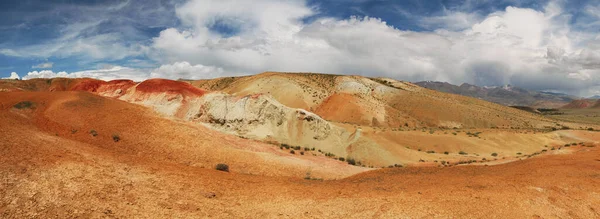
<point>446,152</point>
<point>431,152</point>
<point>116,138</point>
<point>590,129</point>
<point>312,149</point>
<point>462,153</point>
<point>341,159</point>
<point>351,161</point>
<point>24,104</point>
<point>301,152</point>
<point>494,154</point>
<point>292,152</point>
<point>222,167</point>
<point>93,133</point>
<point>519,153</point>
<point>306,149</point>
<point>297,148</point>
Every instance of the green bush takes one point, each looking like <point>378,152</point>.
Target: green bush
<point>462,153</point>
<point>494,154</point>
<point>341,159</point>
<point>292,152</point>
<point>446,152</point>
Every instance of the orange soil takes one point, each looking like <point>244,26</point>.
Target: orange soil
<point>156,171</point>
<point>169,86</point>
<point>580,104</point>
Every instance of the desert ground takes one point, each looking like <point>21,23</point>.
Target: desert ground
<point>85,148</point>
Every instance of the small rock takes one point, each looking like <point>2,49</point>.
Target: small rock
<point>209,195</point>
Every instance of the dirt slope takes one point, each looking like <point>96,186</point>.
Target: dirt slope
<point>378,102</point>
<point>57,177</point>
<point>364,119</point>
<point>163,162</point>
<point>69,117</point>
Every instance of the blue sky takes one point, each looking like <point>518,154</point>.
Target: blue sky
<point>539,45</point>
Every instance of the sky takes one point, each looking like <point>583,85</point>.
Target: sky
<point>551,45</point>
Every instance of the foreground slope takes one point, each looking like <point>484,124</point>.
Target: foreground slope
<point>50,176</point>
<point>84,124</point>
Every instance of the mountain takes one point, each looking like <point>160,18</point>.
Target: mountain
<point>596,97</point>
<point>505,95</point>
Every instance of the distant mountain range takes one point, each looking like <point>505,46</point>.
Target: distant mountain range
<point>505,95</point>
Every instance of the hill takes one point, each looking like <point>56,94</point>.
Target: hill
<point>583,104</point>
<point>90,148</point>
<point>378,102</point>
<point>506,95</point>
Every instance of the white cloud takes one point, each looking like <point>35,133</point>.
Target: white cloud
<point>524,47</point>
<point>184,70</point>
<point>110,73</point>
<point>43,65</point>
<point>451,20</point>
<point>535,49</point>
<point>13,75</point>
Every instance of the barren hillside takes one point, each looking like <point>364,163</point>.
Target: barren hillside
<point>90,148</point>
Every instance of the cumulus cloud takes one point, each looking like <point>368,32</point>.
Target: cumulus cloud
<point>109,73</point>
<point>43,65</point>
<point>184,70</point>
<point>13,75</point>
<point>536,49</point>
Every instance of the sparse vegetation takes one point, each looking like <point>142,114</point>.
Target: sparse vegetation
<point>494,154</point>
<point>116,138</point>
<point>431,152</point>
<point>462,153</point>
<point>446,152</point>
<point>341,159</point>
<point>222,167</point>
<point>351,161</point>
<point>292,152</point>
<point>94,133</point>
<point>24,105</point>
